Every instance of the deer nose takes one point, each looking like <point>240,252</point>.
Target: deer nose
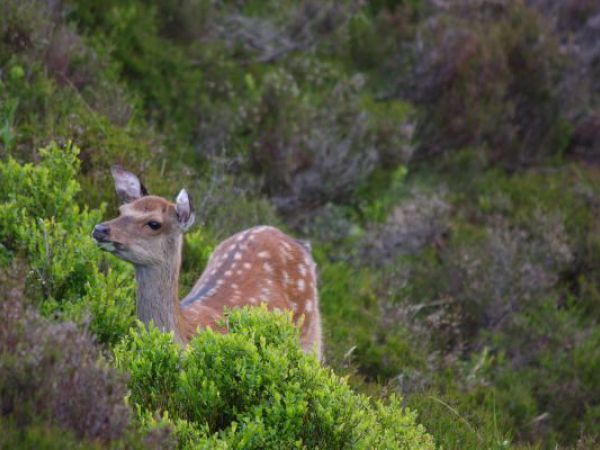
<point>100,232</point>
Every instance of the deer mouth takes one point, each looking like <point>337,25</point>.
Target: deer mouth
<point>107,245</point>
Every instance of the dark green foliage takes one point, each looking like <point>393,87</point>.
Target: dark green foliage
<point>154,68</point>
<point>255,388</point>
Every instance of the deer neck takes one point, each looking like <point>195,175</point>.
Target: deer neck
<point>158,293</point>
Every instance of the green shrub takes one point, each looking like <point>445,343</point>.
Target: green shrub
<point>41,220</point>
<point>254,388</point>
<point>154,67</point>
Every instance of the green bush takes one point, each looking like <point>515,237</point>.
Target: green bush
<point>41,221</point>
<point>254,388</point>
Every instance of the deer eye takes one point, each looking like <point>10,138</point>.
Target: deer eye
<point>154,225</point>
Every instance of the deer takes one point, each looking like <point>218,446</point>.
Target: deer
<point>257,266</point>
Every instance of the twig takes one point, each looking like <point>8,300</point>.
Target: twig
<point>462,419</point>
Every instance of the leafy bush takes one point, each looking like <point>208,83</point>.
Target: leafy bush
<point>254,388</point>
<point>154,68</point>
<point>41,220</point>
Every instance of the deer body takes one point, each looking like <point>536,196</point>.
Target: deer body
<point>261,265</point>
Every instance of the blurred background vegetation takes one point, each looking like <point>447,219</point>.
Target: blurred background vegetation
<point>443,157</point>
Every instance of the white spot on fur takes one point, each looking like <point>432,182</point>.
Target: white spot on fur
<point>220,282</point>
<point>252,300</point>
<point>228,273</point>
<point>264,255</point>
<point>234,265</point>
<point>235,286</point>
<point>300,284</point>
<point>288,257</point>
<point>302,269</point>
<point>286,254</point>
<point>247,265</point>
<point>237,256</point>
<point>239,272</point>
<point>309,306</point>
<point>286,245</point>
<point>286,278</point>
<point>268,267</point>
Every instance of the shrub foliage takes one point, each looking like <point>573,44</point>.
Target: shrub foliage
<point>40,219</point>
<point>254,388</point>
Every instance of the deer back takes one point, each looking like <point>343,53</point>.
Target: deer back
<point>261,265</point>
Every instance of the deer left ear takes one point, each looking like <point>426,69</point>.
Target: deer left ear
<point>185,210</point>
<point>128,186</point>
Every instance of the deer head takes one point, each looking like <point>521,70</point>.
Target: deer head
<point>149,228</point>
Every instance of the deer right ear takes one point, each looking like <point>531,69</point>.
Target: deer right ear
<point>127,185</point>
<point>185,211</point>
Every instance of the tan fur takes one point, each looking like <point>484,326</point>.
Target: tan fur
<point>260,265</point>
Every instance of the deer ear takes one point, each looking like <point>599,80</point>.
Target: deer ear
<point>127,185</point>
<point>185,210</point>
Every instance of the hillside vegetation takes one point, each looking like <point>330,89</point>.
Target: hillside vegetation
<point>440,156</point>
